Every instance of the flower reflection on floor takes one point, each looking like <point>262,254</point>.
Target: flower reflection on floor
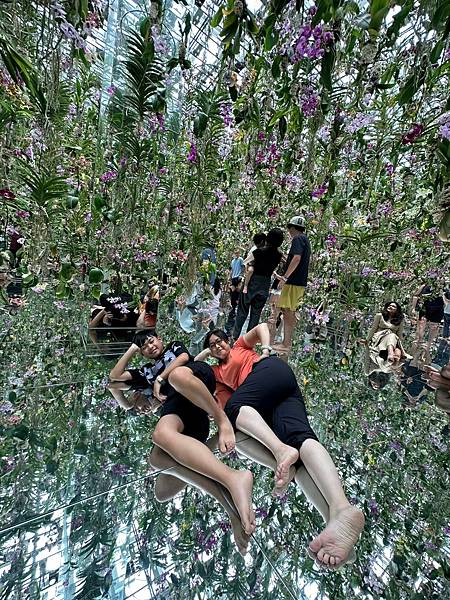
<point>84,500</point>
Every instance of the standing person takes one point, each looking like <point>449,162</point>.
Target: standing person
<point>266,260</point>
<point>236,271</point>
<point>259,241</point>
<point>428,306</point>
<point>295,278</point>
<point>446,299</point>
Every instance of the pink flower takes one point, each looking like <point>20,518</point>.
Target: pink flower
<point>6,193</point>
<point>192,156</point>
<point>415,132</point>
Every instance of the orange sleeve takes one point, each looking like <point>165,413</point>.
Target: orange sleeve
<point>223,393</point>
<point>240,343</point>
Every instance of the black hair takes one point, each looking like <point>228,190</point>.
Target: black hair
<point>217,286</point>
<point>275,237</point>
<point>111,307</point>
<point>151,307</point>
<point>142,336</point>
<point>218,333</point>
<point>397,318</point>
<point>298,228</point>
<point>379,378</point>
<point>259,239</point>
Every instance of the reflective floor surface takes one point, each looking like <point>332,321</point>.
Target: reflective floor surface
<point>84,516</point>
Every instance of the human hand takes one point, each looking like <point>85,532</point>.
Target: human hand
<point>157,392</point>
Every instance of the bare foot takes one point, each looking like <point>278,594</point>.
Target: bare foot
<point>240,488</point>
<point>280,490</point>
<point>241,538</point>
<point>285,457</point>
<point>227,440</point>
<point>333,546</point>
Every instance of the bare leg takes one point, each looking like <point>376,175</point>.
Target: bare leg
<point>391,353</point>
<point>335,543</point>
<point>252,449</point>
<point>421,324</point>
<point>167,486</point>
<point>289,321</point>
<point>432,335</point>
<point>186,383</point>
<point>195,455</point>
<point>250,421</point>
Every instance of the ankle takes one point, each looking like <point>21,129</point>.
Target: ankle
<point>335,509</point>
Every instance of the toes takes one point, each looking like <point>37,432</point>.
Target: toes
<point>321,555</point>
<point>332,561</point>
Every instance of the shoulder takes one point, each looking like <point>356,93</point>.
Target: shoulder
<point>241,345</point>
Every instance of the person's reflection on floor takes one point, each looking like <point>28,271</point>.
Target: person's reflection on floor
<point>439,380</point>
<point>177,476</point>
<point>138,402</point>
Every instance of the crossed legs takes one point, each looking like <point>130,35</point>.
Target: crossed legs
<point>334,545</point>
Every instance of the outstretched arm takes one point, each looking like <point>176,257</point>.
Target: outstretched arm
<point>119,372</point>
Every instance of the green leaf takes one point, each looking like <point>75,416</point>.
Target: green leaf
<point>437,51</point>
<point>270,39</point>
<point>277,116</point>
<point>282,126</point>
<point>66,271</point>
<point>327,67</point>
<point>441,14</point>
<point>217,18</point>
<point>96,275</point>
<point>71,202</point>
<point>20,432</point>
<point>96,291</point>
<point>276,71</point>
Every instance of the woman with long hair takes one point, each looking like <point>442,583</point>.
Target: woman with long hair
<point>385,336</point>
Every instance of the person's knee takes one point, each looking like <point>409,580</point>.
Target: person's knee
<point>167,487</point>
<point>160,435</point>
<point>180,376</point>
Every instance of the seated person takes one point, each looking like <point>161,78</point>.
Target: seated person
<point>113,320</point>
<point>114,312</point>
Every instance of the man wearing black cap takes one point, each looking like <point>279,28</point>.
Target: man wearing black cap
<point>295,277</point>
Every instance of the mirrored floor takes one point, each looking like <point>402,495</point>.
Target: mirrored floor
<point>84,515</point>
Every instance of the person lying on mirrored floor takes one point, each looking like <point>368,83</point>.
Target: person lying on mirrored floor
<point>185,388</point>
<point>262,398</point>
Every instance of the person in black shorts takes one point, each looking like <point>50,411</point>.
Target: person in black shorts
<point>185,389</point>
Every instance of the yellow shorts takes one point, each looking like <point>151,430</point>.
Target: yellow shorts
<point>291,296</point>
